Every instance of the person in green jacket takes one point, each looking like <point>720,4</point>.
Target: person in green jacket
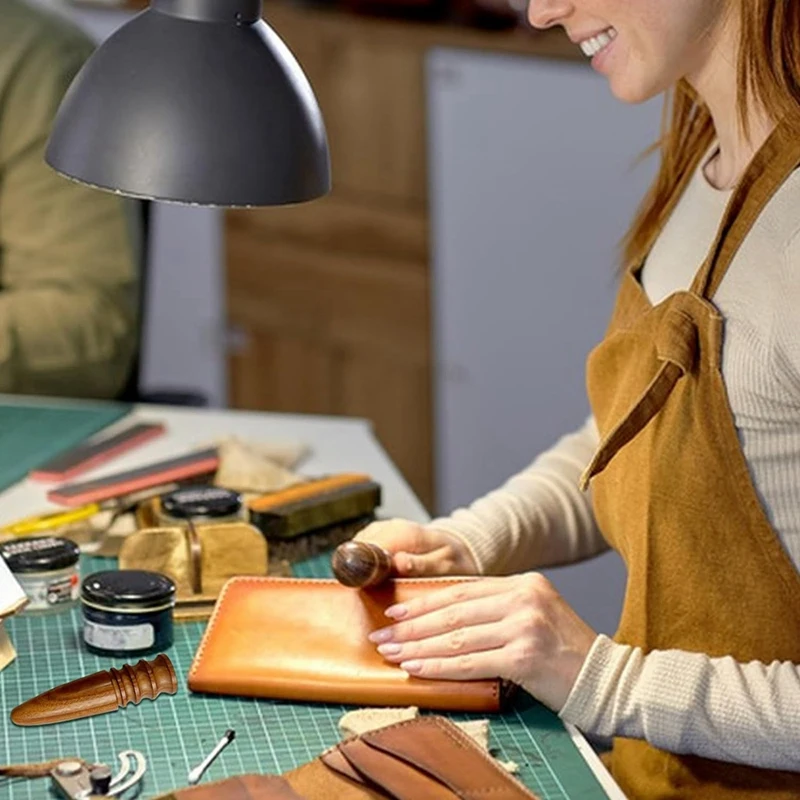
<point>68,253</point>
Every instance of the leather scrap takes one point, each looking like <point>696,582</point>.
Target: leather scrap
<point>242,787</point>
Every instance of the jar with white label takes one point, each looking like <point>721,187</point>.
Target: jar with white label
<point>46,567</point>
<point>127,612</point>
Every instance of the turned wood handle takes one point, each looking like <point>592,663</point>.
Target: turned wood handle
<point>146,679</point>
<point>361,564</point>
<point>99,693</point>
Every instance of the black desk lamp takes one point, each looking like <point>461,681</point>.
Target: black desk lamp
<point>194,101</point>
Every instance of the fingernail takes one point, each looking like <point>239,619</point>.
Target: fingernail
<point>383,635</point>
<point>396,612</point>
<point>391,649</point>
<point>415,665</point>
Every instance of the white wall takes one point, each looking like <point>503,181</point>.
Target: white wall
<point>531,187</point>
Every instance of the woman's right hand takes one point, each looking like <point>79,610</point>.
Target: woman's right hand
<point>419,551</point>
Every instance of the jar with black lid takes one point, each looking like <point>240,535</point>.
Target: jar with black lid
<point>127,612</point>
<point>46,567</point>
<point>200,505</point>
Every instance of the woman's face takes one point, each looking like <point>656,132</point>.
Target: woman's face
<point>642,46</point>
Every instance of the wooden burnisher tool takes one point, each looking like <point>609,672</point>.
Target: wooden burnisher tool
<point>361,564</point>
<point>99,693</point>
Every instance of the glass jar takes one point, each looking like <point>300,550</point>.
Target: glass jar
<point>200,505</point>
<point>46,568</point>
<point>127,613</point>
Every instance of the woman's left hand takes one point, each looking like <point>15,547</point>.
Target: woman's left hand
<point>517,628</point>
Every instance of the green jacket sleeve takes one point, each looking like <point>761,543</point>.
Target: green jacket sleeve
<point>68,253</point>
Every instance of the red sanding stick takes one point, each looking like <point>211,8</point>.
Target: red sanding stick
<point>96,451</point>
<point>202,462</point>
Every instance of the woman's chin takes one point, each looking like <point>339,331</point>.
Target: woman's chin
<point>633,92</point>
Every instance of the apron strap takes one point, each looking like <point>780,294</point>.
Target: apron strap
<point>676,350</point>
<point>774,162</point>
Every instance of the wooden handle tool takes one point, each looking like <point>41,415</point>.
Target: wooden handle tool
<point>99,693</point>
<point>361,564</point>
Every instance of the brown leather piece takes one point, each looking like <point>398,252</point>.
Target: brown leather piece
<point>427,758</point>
<point>335,760</point>
<point>398,778</point>
<point>297,639</point>
<point>242,787</point>
<point>315,781</point>
<point>437,747</point>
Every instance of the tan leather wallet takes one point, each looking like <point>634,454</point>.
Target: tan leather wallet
<point>297,639</point>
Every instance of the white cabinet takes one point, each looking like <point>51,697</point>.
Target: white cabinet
<point>532,185</point>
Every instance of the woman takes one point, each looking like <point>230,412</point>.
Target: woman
<point>690,463</point>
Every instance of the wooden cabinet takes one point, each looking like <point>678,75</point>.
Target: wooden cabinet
<point>331,299</point>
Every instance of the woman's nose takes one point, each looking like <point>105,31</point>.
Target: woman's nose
<point>546,13</point>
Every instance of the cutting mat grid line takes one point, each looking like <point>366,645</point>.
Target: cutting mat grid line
<point>176,732</point>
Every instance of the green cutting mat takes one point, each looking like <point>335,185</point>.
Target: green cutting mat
<point>175,733</point>
<point>31,434</point>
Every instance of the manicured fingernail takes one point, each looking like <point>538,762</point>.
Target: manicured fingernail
<point>415,665</point>
<point>383,635</point>
<point>391,649</point>
<point>396,612</point>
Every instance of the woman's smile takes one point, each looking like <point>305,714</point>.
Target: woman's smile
<point>598,46</point>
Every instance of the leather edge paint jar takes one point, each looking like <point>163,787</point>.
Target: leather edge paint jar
<point>200,505</point>
<point>46,567</point>
<point>127,612</point>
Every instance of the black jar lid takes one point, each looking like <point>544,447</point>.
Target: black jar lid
<point>201,501</point>
<point>40,554</point>
<point>128,588</point>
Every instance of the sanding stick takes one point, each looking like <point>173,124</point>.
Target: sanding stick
<point>201,462</point>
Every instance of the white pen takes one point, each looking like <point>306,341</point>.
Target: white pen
<point>197,772</point>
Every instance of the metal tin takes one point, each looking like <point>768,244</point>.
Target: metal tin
<point>199,505</point>
<point>127,612</point>
<point>46,568</point>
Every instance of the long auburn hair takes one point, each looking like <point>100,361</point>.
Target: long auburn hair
<point>768,76</point>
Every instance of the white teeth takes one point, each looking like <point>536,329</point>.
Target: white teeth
<point>591,47</point>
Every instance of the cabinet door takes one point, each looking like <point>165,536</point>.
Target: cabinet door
<point>370,91</point>
<point>331,302</point>
<point>331,297</point>
<point>532,185</point>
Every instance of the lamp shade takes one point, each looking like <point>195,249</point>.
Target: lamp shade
<point>194,101</point>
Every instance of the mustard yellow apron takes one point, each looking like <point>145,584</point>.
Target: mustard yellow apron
<point>673,495</point>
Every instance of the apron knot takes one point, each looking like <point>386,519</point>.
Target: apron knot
<point>677,339</point>
<point>676,346</point>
